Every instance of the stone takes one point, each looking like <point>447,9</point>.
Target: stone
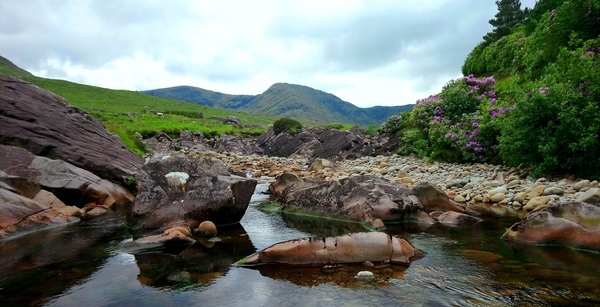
<point>72,185</point>
<point>513,183</point>
<point>452,218</point>
<point>536,202</point>
<point>207,228</point>
<point>352,248</point>
<point>362,198</point>
<point>498,197</point>
<point>432,199</point>
<point>553,191</point>
<point>232,143</point>
<point>19,214</point>
<point>46,125</point>
<point>209,194</point>
<point>319,164</point>
<point>581,184</point>
<point>282,182</point>
<point>590,196</point>
<point>492,183</point>
<point>172,234</point>
<point>572,224</point>
<point>535,192</point>
<point>320,143</point>
<point>402,174</point>
<point>516,205</point>
<point>512,178</point>
<point>407,180</point>
<point>377,224</point>
<point>498,190</point>
<point>520,197</point>
<point>457,183</point>
<point>460,199</point>
<point>365,274</point>
<point>433,169</point>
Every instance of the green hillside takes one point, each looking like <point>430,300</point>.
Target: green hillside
<point>127,112</point>
<point>286,100</point>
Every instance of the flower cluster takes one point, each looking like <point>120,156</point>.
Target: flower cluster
<point>453,119</point>
<point>552,13</point>
<point>392,125</point>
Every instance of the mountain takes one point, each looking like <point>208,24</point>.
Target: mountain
<point>286,100</point>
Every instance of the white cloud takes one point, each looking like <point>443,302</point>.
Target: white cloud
<point>366,52</point>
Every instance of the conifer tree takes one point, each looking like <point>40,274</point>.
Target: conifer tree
<point>508,17</point>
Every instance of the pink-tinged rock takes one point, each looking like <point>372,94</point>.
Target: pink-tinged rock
<point>19,214</point>
<point>433,199</point>
<point>574,224</point>
<point>351,248</point>
<point>75,186</point>
<point>452,218</point>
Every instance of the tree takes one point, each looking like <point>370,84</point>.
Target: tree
<point>508,17</point>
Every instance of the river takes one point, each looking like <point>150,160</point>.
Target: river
<point>85,264</point>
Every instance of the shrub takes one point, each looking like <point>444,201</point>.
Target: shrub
<point>371,130</point>
<point>555,124</point>
<point>286,125</point>
<point>393,124</point>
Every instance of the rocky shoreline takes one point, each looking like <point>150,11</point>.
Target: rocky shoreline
<point>509,189</point>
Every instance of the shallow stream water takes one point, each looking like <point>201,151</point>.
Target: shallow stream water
<point>85,264</point>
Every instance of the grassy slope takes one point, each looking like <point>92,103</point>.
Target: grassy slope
<point>126,112</point>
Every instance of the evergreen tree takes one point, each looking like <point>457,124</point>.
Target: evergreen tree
<point>508,17</point>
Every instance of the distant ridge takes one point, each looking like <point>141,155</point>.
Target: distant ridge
<point>286,100</point>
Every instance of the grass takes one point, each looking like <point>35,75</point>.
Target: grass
<point>126,112</point>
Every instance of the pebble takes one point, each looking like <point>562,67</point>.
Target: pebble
<point>465,183</point>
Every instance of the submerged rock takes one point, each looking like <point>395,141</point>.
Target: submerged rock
<point>352,248</point>
<point>574,224</point>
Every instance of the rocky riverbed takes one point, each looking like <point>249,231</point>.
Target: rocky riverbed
<point>508,190</point>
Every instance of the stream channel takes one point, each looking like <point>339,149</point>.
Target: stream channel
<point>85,264</point>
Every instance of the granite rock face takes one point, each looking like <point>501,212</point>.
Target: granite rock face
<point>46,125</point>
<point>363,198</point>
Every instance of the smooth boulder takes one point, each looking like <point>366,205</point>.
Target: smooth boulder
<point>362,198</point>
<point>184,191</point>
<point>574,224</point>
<point>433,199</point>
<point>72,185</point>
<point>351,248</point>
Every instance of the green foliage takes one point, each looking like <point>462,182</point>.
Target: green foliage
<point>394,124</point>
<point>509,16</point>
<point>550,26</point>
<point>371,130</point>
<point>129,183</point>
<point>286,125</point>
<point>335,126</point>
<point>124,112</point>
<point>457,125</point>
<point>555,126</point>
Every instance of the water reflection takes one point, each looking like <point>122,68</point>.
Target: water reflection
<point>342,276</point>
<point>63,255</point>
<point>179,266</point>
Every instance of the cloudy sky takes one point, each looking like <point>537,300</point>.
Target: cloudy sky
<point>375,52</point>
